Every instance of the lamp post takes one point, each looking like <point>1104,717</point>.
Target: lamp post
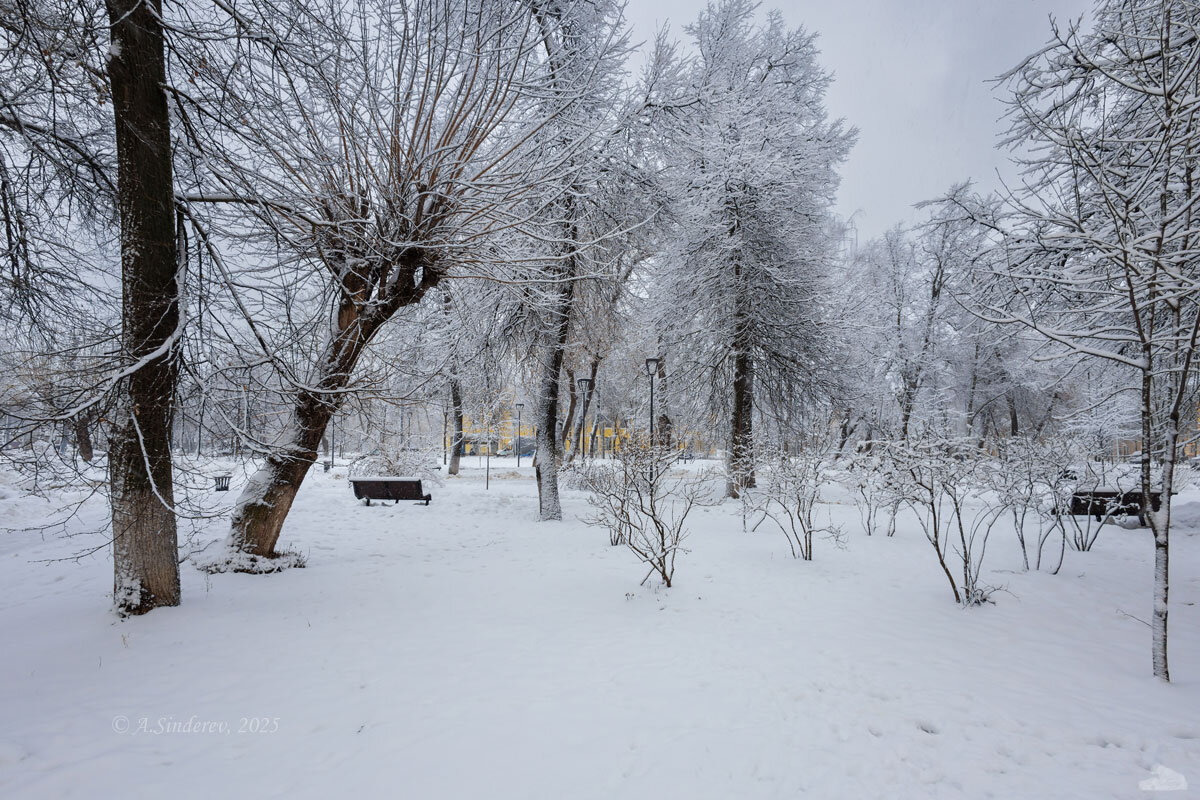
<point>519,407</point>
<point>651,370</point>
<point>585,388</point>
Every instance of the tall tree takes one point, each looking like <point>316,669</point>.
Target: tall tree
<point>756,159</point>
<point>1100,257</point>
<point>364,150</point>
<point>145,552</point>
<point>585,47</point>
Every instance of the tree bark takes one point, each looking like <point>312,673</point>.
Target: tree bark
<point>741,456</point>
<point>548,454</point>
<point>83,437</point>
<point>662,426</point>
<point>260,511</point>
<point>845,428</point>
<point>572,401</point>
<point>145,551</point>
<point>1160,521</point>
<point>456,446</point>
<point>577,445</point>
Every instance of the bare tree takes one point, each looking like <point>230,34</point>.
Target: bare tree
<point>1097,255</point>
<point>585,46</point>
<point>374,149</point>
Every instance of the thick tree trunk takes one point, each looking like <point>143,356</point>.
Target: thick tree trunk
<point>548,455</point>
<point>741,438</point>
<point>145,551</point>
<point>265,502</point>
<point>456,445</point>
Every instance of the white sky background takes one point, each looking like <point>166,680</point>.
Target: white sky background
<point>913,77</point>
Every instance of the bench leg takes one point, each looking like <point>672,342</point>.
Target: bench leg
<point>368,501</point>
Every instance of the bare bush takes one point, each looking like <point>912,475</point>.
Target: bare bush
<point>1082,530</point>
<point>644,503</point>
<point>870,483</point>
<point>1029,480</point>
<point>939,479</point>
<point>789,498</point>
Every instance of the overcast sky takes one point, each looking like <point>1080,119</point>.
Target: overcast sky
<point>913,76</point>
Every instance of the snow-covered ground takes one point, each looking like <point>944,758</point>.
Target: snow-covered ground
<point>466,650</point>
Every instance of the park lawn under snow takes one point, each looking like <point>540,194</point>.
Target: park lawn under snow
<point>466,650</point>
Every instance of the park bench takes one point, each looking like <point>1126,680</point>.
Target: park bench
<point>221,483</point>
<point>386,488</point>
<point>1101,502</point>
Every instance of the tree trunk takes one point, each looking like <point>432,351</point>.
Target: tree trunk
<point>845,428</point>
<point>145,551</point>
<point>972,390</point>
<point>572,401</point>
<point>456,446</point>
<point>1161,525</point>
<point>548,454</point>
<point>83,437</point>
<point>741,456</point>
<point>662,425</point>
<point>908,398</point>
<point>200,424</point>
<point>1160,521</point>
<point>577,445</point>
<point>265,502</point>
<point>260,511</point>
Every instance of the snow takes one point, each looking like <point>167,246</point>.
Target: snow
<point>467,650</point>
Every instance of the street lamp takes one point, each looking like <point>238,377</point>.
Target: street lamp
<point>585,388</point>
<point>652,370</point>
<point>519,407</point>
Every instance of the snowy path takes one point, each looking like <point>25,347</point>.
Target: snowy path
<point>466,650</point>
